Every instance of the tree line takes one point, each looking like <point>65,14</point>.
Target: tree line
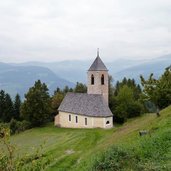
<point>9,108</point>
<point>127,99</point>
<point>37,108</point>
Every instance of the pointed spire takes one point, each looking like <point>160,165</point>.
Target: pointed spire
<point>97,52</point>
<point>98,64</point>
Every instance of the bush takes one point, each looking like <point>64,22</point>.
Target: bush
<point>19,126</point>
<point>120,114</point>
<point>4,125</point>
<point>134,109</point>
<point>13,126</point>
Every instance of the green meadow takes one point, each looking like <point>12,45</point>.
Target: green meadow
<point>79,149</point>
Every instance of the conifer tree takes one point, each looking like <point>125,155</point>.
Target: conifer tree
<point>37,104</point>
<point>66,89</point>
<point>80,88</point>
<point>17,105</point>
<point>2,104</point>
<point>8,113</point>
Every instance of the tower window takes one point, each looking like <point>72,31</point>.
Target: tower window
<point>102,79</point>
<point>85,121</point>
<point>76,119</point>
<point>92,79</point>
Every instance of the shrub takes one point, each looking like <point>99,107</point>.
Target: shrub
<point>19,126</point>
<point>4,125</point>
<point>13,126</point>
<point>120,114</point>
<point>134,109</point>
<point>7,150</point>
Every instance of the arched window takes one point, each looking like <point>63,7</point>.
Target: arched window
<point>76,119</point>
<point>107,122</point>
<point>69,117</point>
<point>92,79</point>
<point>85,121</point>
<point>102,79</point>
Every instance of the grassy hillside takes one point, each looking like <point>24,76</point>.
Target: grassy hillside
<point>74,149</point>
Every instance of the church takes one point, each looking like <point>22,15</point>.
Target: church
<point>88,110</point>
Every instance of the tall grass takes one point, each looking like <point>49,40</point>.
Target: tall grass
<point>152,153</point>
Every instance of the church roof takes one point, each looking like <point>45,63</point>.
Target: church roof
<point>98,65</point>
<point>85,104</point>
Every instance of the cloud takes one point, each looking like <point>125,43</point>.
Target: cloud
<point>72,29</point>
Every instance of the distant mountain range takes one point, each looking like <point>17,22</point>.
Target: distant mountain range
<point>77,70</point>
<point>155,66</point>
<point>17,78</point>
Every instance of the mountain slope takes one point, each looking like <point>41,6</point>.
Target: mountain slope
<point>18,79</point>
<point>76,70</point>
<point>72,149</point>
<point>155,66</point>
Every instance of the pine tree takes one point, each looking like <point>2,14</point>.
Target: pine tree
<point>37,104</point>
<point>58,90</point>
<point>8,113</point>
<point>66,89</point>
<point>117,86</point>
<point>2,103</point>
<point>131,84</point>
<point>80,88</point>
<point>17,105</point>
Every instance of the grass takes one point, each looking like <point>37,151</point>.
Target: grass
<point>75,149</point>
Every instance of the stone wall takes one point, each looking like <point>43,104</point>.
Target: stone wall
<point>98,88</point>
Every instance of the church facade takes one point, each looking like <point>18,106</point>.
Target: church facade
<point>88,110</point>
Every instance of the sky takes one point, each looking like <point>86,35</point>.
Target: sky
<point>56,30</point>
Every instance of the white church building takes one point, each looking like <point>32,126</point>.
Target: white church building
<point>88,110</point>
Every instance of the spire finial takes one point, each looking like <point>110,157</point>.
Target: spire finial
<point>97,52</point>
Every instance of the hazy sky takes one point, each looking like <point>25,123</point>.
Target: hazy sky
<point>55,30</point>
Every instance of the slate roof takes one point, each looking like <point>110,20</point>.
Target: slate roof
<point>98,65</point>
<point>85,104</point>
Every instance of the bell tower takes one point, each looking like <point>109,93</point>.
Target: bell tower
<point>98,79</point>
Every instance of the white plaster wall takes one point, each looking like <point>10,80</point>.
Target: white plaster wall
<point>62,120</point>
